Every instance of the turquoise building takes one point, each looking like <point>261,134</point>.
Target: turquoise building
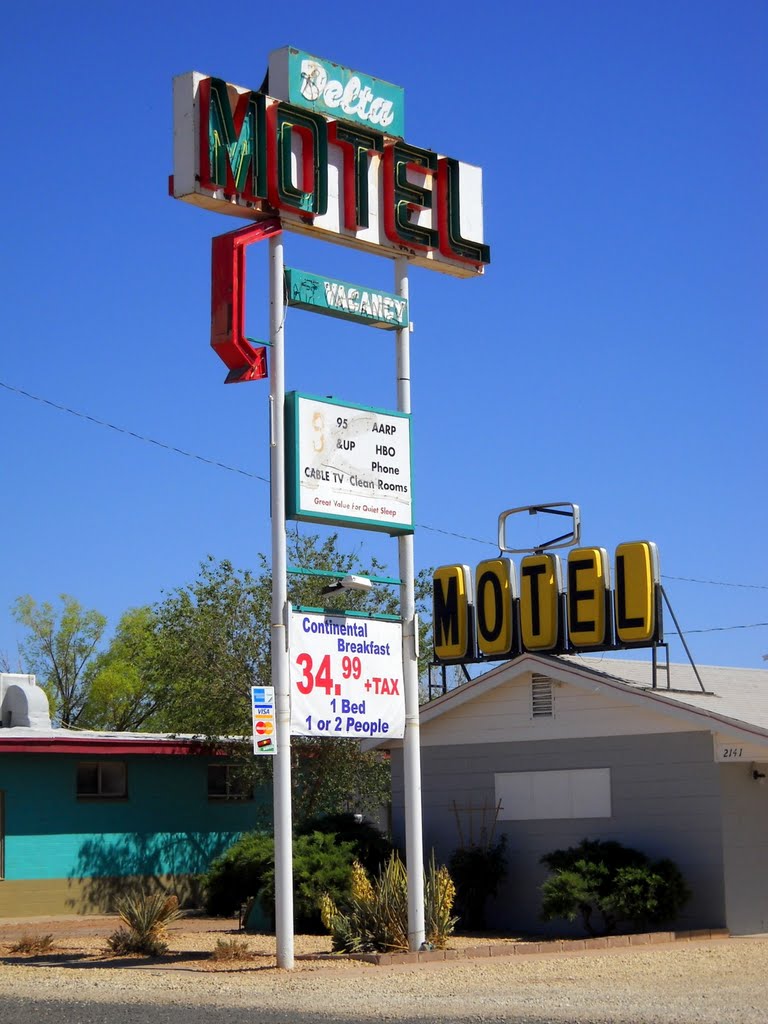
<point>86,815</point>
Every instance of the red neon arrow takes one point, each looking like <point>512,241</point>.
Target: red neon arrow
<point>245,361</point>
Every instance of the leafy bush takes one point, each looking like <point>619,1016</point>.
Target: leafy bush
<point>321,863</point>
<point>477,871</point>
<point>372,849</point>
<point>33,945</point>
<point>238,873</point>
<point>146,918</point>
<point>606,883</point>
<point>374,916</point>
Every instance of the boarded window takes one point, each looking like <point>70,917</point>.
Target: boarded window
<point>542,698</point>
<point>104,779</point>
<point>536,796</point>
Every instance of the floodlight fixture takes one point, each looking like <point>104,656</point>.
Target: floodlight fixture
<point>359,583</point>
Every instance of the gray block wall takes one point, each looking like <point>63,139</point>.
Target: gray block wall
<point>665,797</point>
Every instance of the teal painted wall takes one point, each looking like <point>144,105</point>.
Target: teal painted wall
<point>167,824</point>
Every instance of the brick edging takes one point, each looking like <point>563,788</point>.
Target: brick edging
<point>545,946</point>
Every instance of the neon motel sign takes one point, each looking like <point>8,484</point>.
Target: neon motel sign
<point>324,155</point>
<point>491,620</point>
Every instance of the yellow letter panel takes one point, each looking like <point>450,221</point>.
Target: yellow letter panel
<point>588,583</point>
<point>541,586</point>
<point>637,577</point>
<point>495,593</point>
<point>452,613</point>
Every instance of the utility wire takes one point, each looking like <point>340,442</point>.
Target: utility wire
<point>263,479</point>
<point>718,629</point>
<point>131,433</point>
<point>718,583</point>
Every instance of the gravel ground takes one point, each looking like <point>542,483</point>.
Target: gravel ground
<point>702,982</point>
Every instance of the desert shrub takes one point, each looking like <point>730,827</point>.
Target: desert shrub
<point>33,944</point>
<point>124,941</point>
<point>145,918</point>
<point>477,872</point>
<point>374,916</point>
<point>230,949</point>
<point>605,884</point>
<point>321,863</point>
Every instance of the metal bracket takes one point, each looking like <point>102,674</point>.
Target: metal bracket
<point>555,508</point>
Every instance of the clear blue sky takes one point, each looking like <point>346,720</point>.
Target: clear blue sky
<point>613,355</point>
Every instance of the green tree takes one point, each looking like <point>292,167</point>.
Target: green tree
<point>212,636</point>
<point>60,651</point>
<point>212,643</point>
<point>124,692</point>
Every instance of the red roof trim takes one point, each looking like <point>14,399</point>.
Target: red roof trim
<point>103,745</point>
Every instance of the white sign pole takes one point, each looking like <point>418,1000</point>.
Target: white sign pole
<point>280,669</point>
<point>414,843</point>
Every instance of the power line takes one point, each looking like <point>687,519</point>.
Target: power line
<point>263,479</point>
<point>718,629</point>
<point>132,433</point>
<point>718,583</point>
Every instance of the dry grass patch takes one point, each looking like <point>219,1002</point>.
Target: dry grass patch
<point>230,949</point>
<point>33,945</point>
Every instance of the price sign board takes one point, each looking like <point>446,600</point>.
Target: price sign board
<point>263,714</point>
<point>346,676</point>
<point>348,464</point>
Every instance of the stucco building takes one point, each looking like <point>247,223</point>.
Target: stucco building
<point>551,750</point>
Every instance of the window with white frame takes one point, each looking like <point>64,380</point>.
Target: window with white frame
<point>537,796</point>
<point>102,779</point>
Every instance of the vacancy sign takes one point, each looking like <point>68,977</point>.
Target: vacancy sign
<point>348,465</point>
<point>346,676</point>
<point>263,714</point>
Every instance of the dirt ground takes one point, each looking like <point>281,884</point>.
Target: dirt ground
<point>486,978</point>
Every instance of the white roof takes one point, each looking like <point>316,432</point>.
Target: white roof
<point>735,700</point>
<point>736,694</point>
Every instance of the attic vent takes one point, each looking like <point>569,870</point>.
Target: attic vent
<point>542,698</point>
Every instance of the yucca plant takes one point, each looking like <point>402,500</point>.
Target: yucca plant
<point>439,895</point>
<point>374,917</point>
<point>146,918</point>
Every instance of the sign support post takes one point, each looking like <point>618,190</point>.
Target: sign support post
<point>414,843</point>
<point>279,620</point>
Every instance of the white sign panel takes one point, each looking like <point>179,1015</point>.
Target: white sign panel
<point>348,464</point>
<point>263,714</point>
<point>346,676</point>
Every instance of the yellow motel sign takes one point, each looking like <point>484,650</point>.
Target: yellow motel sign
<point>491,621</point>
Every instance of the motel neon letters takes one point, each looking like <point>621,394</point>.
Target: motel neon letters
<point>247,154</point>
<point>491,619</point>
